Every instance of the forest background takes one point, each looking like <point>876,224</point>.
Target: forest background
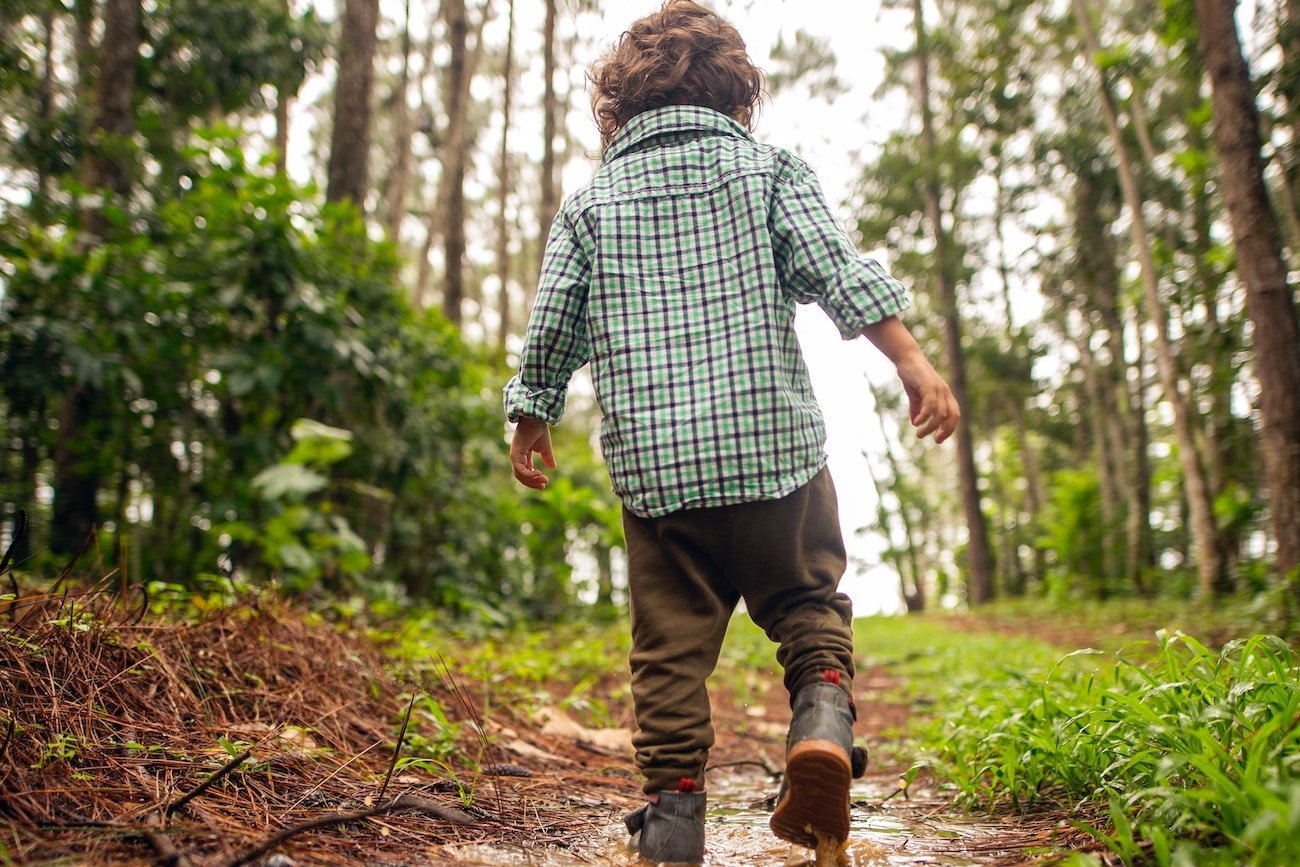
<point>215,369</point>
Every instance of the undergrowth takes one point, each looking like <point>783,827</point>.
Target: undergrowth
<point>1169,752</point>
<point>580,668</point>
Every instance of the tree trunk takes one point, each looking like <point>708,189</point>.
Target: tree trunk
<point>1034,496</point>
<point>1269,299</point>
<point>106,166</point>
<point>503,188</point>
<point>550,202</point>
<point>283,96</point>
<point>450,209</point>
<point>83,47</point>
<point>398,188</point>
<point>44,110</point>
<point>348,170</point>
<point>1100,279</point>
<point>424,269</point>
<point>979,588</point>
<point>113,122</point>
<point>1141,553</point>
<point>76,479</point>
<point>454,159</point>
<point>1107,477</point>
<point>1288,40</point>
<point>911,583</point>
<point>1209,558</point>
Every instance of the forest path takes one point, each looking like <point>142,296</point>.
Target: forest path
<point>891,826</point>
<point>118,728</point>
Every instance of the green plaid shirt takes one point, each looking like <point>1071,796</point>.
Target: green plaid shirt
<point>675,271</point>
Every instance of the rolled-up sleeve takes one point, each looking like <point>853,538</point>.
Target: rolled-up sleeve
<point>558,340</point>
<point>817,262</point>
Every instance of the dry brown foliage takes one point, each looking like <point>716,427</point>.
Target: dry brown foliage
<point>109,728</point>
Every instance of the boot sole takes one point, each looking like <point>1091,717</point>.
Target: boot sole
<point>818,775</point>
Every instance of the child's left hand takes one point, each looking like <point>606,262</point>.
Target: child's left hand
<point>531,435</point>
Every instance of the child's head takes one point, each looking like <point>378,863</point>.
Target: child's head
<point>681,55</point>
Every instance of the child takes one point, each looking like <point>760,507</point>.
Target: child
<point>675,272</point>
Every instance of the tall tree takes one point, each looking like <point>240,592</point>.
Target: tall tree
<point>452,200</point>
<point>503,184</point>
<point>1100,300</point>
<point>550,202</point>
<point>902,546</point>
<point>1269,296</point>
<point>284,93</point>
<point>398,187</point>
<point>980,559</point>
<point>1209,556</point>
<point>107,166</point>
<point>450,209</point>
<point>348,170</point>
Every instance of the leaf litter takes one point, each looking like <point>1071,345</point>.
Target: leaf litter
<point>261,735</point>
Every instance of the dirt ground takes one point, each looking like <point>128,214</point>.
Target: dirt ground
<point>253,738</point>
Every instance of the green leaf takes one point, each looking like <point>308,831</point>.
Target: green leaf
<point>288,480</point>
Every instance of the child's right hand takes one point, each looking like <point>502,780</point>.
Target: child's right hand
<point>931,405</point>
<point>531,435</point>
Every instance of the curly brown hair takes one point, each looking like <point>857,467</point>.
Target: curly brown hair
<point>684,54</point>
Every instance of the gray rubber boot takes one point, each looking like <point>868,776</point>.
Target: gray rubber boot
<point>669,828</point>
<point>820,764</point>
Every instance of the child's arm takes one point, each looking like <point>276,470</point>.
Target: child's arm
<point>531,435</point>
<point>931,404</point>
<point>556,344</point>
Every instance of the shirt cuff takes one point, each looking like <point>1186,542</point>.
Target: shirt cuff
<point>866,296</point>
<point>546,404</point>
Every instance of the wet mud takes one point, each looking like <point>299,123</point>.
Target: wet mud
<point>885,832</point>
<point>889,827</point>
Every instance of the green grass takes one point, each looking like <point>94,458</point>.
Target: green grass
<point>1123,619</point>
<point>1172,753</point>
<point>581,667</point>
<point>578,667</point>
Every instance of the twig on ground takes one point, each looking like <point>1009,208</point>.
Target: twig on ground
<point>206,784</point>
<point>401,802</point>
<point>740,763</point>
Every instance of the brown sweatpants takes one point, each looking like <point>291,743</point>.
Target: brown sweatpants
<point>686,573</point>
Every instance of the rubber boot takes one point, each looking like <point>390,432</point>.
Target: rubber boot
<point>820,764</point>
<point>669,828</point>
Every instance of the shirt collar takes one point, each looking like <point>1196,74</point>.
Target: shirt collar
<point>671,119</point>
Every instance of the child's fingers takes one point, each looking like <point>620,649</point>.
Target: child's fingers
<point>952,416</point>
<point>924,417</point>
<point>521,462</point>
<point>927,424</point>
<point>913,403</point>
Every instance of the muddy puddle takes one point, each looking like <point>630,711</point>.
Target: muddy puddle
<point>885,833</point>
